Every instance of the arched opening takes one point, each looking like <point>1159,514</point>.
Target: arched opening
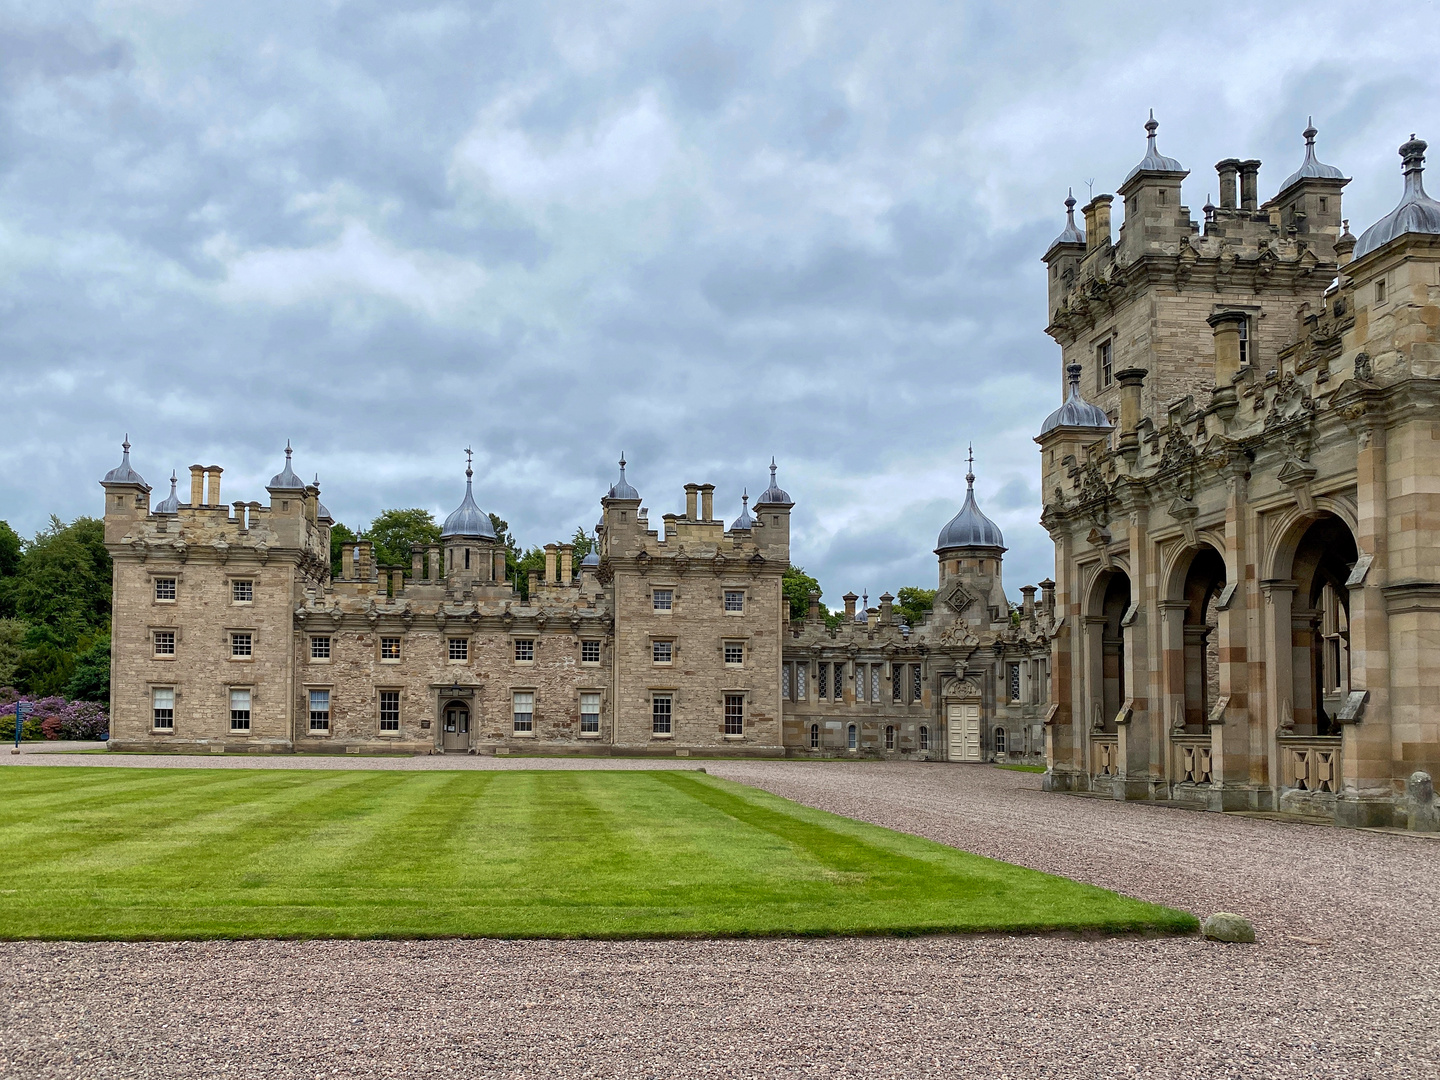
<point>1000,741</point>
<point>1107,692</point>
<point>889,738</point>
<point>1204,581</point>
<point>1320,625</point>
<point>456,726</point>
<point>924,737</point>
<point>814,736</point>
<point>851,739</point>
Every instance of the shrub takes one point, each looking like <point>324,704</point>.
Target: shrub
<point>54,718</point>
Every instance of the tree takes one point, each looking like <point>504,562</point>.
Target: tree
<point>339,534</point>
<point>583,543</point>
<point>534,559</point>
<point>10,548</point>
<point>397,533</point>
<point>912,602</point>
<point>63,586</point>
<point>12,642</point>
<point>45,669</point>
<point>797,585</point>
<point>91,681</point>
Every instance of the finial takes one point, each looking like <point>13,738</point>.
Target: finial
<point>287,449</point>
<point>317,481</point>
<point>125,446</point>
<point>1412,154</point>
<point>622,463</point>
<point>1310,131</point>
<point>745,498</point>
<point>172,480</point>
<point>772,470</point>
<point>468,471</point>
<point>1151,126</point>
<point>970,469</point>
<point>1070,200</point>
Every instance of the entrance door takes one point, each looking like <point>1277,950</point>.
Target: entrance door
<point>457,726</point>
<point>963,722</point>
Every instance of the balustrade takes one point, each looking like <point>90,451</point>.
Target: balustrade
<point>1310,762</point>
<point>1193,762</point>
<point>1104,755</point>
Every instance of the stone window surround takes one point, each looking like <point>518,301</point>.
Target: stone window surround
<point>150,688</point>
<point>599,645</point>
<point>664,639</point>
<point>174,575</point>
<point>380,639</point>
<point>464,641</point>
<point>231,579</point>
<point>230,632</point>
<point>744,645</point>
<point>151,631</point>
<point>673,693</point>
<point>310,656</point>
<point>744,599</point>
<point>600,723</point>
<point>743,693</point>
<point>249,688</point>
<point>515,640</point>
<point>663,586</point>
<point>534,693</point>
<point>1110,335</point>
<point>400,702</point>
<point>305,689</point>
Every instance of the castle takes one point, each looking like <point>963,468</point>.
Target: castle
<point>1243,489</point>
<point>230,635</point>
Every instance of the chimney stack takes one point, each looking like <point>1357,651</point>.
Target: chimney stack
<point>1249,183</point>
<point>707,502</point>
<point>1047,597</point>
<point>397,581</point>
<point>1097,221</point>
<point>886,609</point>
<point>1228,169</point>
<point>347,561</point>
<point>212,481</point>
<point>197,485</point>
<point>1027,605</point>
<point>567,563</point>
<point>692,495</point>
<point>549,564</point>
<point>499,564</point>
<point>814,614</point>
<point>850,599</point>
<point>417,560</point>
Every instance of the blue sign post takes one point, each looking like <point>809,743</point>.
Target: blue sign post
<point>22,710</point>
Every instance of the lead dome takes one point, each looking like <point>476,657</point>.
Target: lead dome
<point>1416,213</point>
<point>970,528</point>
<point>468,520</point>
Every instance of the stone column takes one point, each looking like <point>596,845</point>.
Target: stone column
<point>1142,743</point>
<point>1249,184</point>
<point>433,558</point>
<point>1279,674</point>
<point>1226,325</point>
<point>499,559</point>
<point>1172,666</point>
<point>1131,381</point>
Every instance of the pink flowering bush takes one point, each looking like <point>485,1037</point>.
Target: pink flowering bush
<point>54,718</point>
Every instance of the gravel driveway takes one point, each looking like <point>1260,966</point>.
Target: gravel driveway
<point>1343,982</point>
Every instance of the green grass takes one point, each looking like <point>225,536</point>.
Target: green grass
<point>1022,768</point>
<point>95,853</point>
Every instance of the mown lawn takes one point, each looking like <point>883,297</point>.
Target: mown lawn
<point>94,853</point>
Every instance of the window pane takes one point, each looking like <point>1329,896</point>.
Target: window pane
<point>242,591</point>
<point>164,643</point>
<point>800,670</point>
<point>897,681</point>
<point>164,588</point>
<point>524,649</point>
<point>734,652</point>
<point>915,685</point>
<point>874,682</point>
<point>660,714</point>
<point>785,682</point>
<point>590,652</point>
<point>389,648</point>
<point>822,682</point>
<point>734,600</point>
<point>661,651</point>
<point>239,710</point>
<point>664,599</point>
<point>389,710</point>
<point>524,711</point>
<point>734,714</point>
<point>589,712</point>
<point>850,737</point>
<point>240,645</point>
<point>319,648</point>
<point>163,705</point>
<point>459,649</point>
<point>319,710</point>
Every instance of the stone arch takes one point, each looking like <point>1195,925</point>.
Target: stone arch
<point>1109,598</point>
<point>1198,576</point>
<point>1311,558</point>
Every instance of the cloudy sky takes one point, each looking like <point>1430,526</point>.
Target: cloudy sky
<point>700,233</point>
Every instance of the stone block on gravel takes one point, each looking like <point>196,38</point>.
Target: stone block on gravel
<point>1226,926</point>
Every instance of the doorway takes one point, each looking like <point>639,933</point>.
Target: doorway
<point>456,727</point>
<point>963,722</point>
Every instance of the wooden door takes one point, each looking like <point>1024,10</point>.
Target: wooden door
<point>963,723</point>
<point>456,726</point>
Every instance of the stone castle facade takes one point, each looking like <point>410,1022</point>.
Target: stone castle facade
<point>1243,489</point>
<point>230,635</point>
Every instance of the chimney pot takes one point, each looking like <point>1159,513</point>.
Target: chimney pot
<point>212,482</point>
<point>197,485</point>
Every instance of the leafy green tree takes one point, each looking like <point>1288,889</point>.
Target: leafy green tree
<point>912,602</point>
<point>339,534</point>
<point>63,586</point>
<point>10,548</point>
<point>91,681</point>
<point>12,646</point>
<point>45,669</point>
<point>796,585</point>
<point>583,543</point>
<point>532,561</point>
<point>396,533</point>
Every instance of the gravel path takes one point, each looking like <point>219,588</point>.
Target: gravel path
<point>1343,982</point>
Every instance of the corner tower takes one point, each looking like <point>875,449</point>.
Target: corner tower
<point>971,549</point>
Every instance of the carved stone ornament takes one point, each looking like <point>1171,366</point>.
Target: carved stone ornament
<point>1364,370</point>
<point>955,687</point>
<point>642,562</point>
<point>957,597</point>
<point>1296,476</point>
<point>1291,403</point>
<point>441,617</point>
<point>1184,511</point>
<point>262,553</point>
<point>222,551</point>
<point>605,572</point>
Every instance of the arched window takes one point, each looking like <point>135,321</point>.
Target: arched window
<point>1000,740</point>
<point>814,736</point>
<point>889,737</point>
<point>851,739</point>
<point>924,738</point>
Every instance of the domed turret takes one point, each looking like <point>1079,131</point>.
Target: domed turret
<point>321,513</point>
<point>1312,168</point>
<point>622,488</point>
<point>1072,234</point>
<point>1417,212</point>
<point>1153,161</point>
<point>1076,412</point>
<point>970,528</point>
<point>774,494</point>
<point>468,520</point>
<point>744,521</point>
<point>123,473</point>
<point>171,503</point>
<point>285,479</point>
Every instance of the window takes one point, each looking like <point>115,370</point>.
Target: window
<point>1380,291</point>
<point>320,711</point>
<point>164,642</point>
<point>320,648</point>
<point>241,645</point>
<point>389,710</point>
<point>814,736</point>
<point>524,710</point>
<point>734,600</point>
<point>242,592</point>
<point>916,687</point>
<point>459,648</point>
<point>1012,680</point>
<point>1244,342</point>
<point>800,672</point>
<point>389,648</point>
<point>1104,356</point>
<point>162,708</point>
<point>897,681</point>
<point>1000,740</point>
<point>663,599</point>
<point>851,738</point>
<point>1160,197</point>
<point>924,737</point>
<point>874,682</point>
<point>589,714</point>
<point>589,652</point>
<point>734,714</point>
<point>467,558</point>
<point>164,588</point>
<point>889,737</point>
<point>662,651</point>
<point>787,682</point>
<point>838,686</point>
<point>239,710</point>
<point>1324,204</point>
<point>822,683</point>
<point>734,652</point>
<point>525,650</point>
<point>660,714</point>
